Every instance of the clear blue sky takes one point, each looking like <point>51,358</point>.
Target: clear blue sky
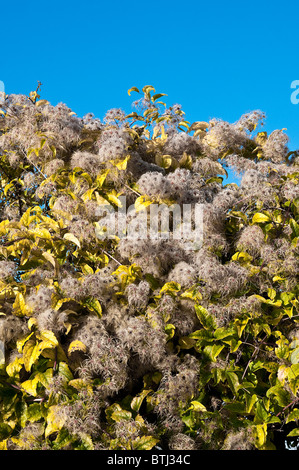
<point>216,58</point>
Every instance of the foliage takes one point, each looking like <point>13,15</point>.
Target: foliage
<point>114,343</point>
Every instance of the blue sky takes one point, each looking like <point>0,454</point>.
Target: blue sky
<point>216,59</point>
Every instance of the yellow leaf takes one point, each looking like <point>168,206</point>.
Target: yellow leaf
<point>101,178</point>
<point>242,257</point>
<point>186,161</point>
<point>165,161</point>
<point>55,420</point>
<point>42,233</point>
<point>88,194</point>
<point>184,124</point>
<point>15,366</point>
<point>80,384</point>
<point>31,353</point>
<point>86,269</point>
<point>170,287</point>
<point>48,339</point>
<point>142,202</point>
<point>41,102</point>
<point>30,386</point>
<point>147,88</point>
<point>260,218</point>
<point>3,445</point>
<point>32,322</point>
<point>49,257</point>
<point>57,302</point>
<point>120,164</point>
<point>144,443</point>
<point>113,198</point>
<point>72,238</point>
<point>22,341</point>
<point>20,307</point>
<point>197,406</point>
<point>199,125</point>
<point>76,346</point>
<point>260,434</point>
<point>56,354</point>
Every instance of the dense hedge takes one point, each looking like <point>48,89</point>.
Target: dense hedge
<point>118,342</point>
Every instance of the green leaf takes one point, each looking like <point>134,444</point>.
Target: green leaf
<point>34,412</point>
<point>261,414</point>
<point>250,402</point>
<point>281,395</point>
<point>260,434</point>
<point>236,407</point>
<point>115,413</point>
<point>204,317</point>
<point>64,371</point>
<point>119,415</point>
<point>282,349</point>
